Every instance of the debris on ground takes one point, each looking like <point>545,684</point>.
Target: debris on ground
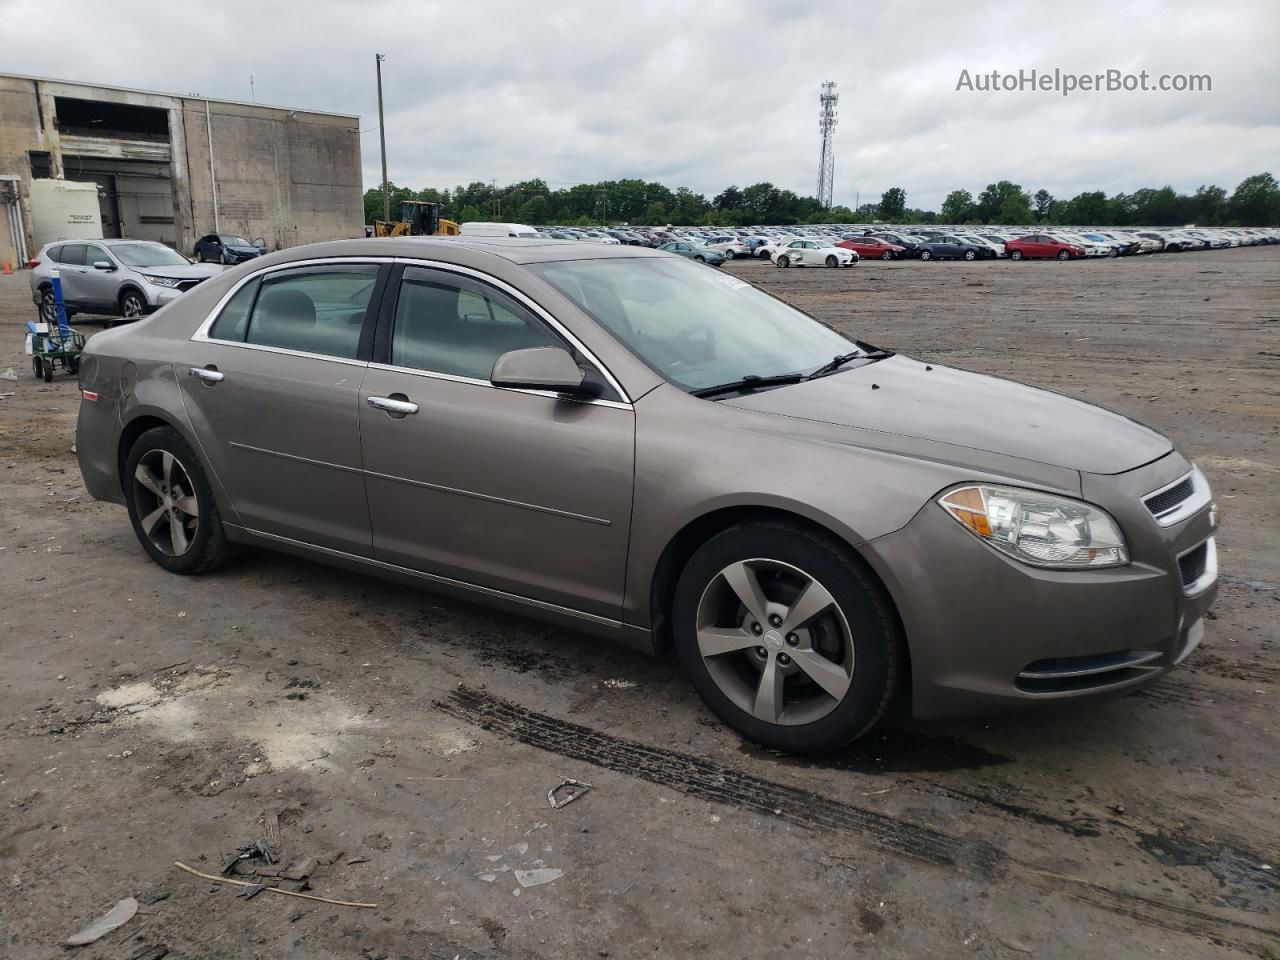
<point>158,952</point>
<point>565,792</point>
<point>621,684</point>
<point>284,893</point>
<point>536,878</point>
<point>114,918</point>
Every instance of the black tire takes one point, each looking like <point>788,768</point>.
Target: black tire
<point>132,305</point>
<point>35,367</point>
<point>209,547</point>
<point>1016,255</point>
<point>971,254</point>
<point>73,365</point>
<point>926,255</point>
<point>700,258</point>
<point>878,645</point>
<point>784,261</point>
<point>48,308</point>
<point>887,255</point>
<point>833,260</point>
<point>1064,255</point>
<point>46,369</point>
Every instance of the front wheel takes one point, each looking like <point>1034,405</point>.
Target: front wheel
<point>926,255</point>
<point>971,255</point>
<point>787,636</point>
<point>171,505</point>
<point>132,306</point>
<point>700,258</point>
<point>784,261</point>
<point>1016,255</point>
<point>1064,255</point>
<point>833,260</point>
<point>887,255</point>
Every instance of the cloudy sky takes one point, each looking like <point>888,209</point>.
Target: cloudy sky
<point>711,93</point>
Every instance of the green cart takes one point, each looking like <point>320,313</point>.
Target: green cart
<point>52,346</point>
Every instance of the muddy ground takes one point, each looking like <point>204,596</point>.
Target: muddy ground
<point>149,718</point>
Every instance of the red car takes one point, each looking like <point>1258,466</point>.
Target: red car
<point>870,248</point>
<point>1042,245</point>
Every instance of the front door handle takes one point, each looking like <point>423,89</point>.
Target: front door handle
<point>397,407</point>
<point>207,374</point>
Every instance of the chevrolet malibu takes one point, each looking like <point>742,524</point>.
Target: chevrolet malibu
<point>629,444</point>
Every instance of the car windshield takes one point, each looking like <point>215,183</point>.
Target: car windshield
<point>695,326</point>
<point>148,255</point>
<point>233,241</point>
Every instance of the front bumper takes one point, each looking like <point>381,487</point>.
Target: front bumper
<point>986,631</point>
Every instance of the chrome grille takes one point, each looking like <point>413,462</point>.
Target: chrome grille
<point>1166,500</point>
<point>1193,563</point>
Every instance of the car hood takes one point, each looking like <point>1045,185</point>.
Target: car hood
<point>908,398</point>
<point>192,271</point>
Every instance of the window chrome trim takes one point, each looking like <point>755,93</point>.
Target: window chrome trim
<point>1200,497</point>
<point>201,334</point>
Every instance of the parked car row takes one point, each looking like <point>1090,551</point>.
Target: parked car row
<point>973,242</point>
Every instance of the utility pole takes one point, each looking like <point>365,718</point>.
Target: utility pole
<point>382,135</point>
<point>827,161</point>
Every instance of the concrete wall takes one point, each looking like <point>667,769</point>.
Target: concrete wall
<point>288,176</point>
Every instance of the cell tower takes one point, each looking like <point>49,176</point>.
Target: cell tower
<point>827,124</point>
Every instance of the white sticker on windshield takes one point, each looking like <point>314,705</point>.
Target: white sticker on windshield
<point>732,282</point>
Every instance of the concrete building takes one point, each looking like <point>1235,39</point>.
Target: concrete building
<point>175,168</point>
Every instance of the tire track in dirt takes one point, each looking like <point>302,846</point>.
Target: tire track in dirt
<point>707,780</point>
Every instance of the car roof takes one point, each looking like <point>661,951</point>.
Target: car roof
<point>462,250</point>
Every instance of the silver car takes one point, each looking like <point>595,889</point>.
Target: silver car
<point>632,445</point>
<point>113,278</point>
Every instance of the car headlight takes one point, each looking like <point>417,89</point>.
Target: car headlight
<point>160,281</point>
<point>1040,529</point>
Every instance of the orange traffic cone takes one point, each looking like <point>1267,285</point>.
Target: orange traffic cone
<point>6,271</point>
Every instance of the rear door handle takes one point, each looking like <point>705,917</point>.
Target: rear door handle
<point>393,406</point>
<point>207,374</point>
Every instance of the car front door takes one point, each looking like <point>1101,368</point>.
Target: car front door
<point>98,287</point>
<point>518,491</point>
<point>272,389</point>
<point>796,251</point>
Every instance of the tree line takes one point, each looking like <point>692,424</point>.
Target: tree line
<point>1255,202</point>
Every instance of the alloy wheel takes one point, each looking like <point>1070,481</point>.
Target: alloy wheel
<point>775,642</point>
<point>49,307</point>
<point>131,306</point>
<point>166,504</point>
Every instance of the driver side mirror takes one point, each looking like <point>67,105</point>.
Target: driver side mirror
<point>541,368</point>
<point>103,265</point>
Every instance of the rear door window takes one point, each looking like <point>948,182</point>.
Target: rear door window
<point>318,310</point>
<point>233,322</point>
<point>73,254</point>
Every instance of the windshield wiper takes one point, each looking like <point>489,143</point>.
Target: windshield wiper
<point>749,382</point>
<point>865,351</point>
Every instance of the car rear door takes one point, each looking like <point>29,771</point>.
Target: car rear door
<point>71,270</point>
<point>518,491</point>
<point>272,388</point>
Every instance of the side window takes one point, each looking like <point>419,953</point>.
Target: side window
<point>93,253</point>
<point>450,326</point>
<point>314,310</point>
<point>73,254</point>
<point>233,321</point>
<point>55,254</point>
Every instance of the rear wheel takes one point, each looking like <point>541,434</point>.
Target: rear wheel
<point>787,637</point>
<point>171,505</point>
<point>48,306</point>
<point>1016,255</point>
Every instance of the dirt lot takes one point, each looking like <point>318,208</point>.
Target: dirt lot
<point>149,718</point>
